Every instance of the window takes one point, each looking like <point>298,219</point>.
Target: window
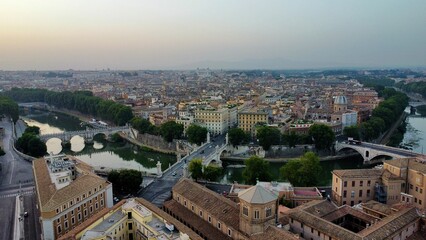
<point>336,180</point>
<point>368,183</point>
<point>218,225</point>
<point>72,220</point>
<point>268,212</point>
<point>59,229</point>
<point>420,202</point>
<point>85,212</point>
<point>353,183</point>
<point>417,189</point>
<point>229,232</point>
<point>178,198</point>
<point>352,194</point>
<point>345,183</point>
<point>210,219</point>
<point>192,207</point>
<point>91,209</point>
<point>245,211</point>
<point>72,212</point>
<point>421,190</point>
<point>201,213</point>
<point>256,214</point>
<point>411,186</point>
<point>352,203</point>
<point>71,203</point>
<point>102,202</point>
<point>129,215</point>
<point>130,226</point>
<point>361,183</point>
<point>57,210</point>
<point>65,216</point>
<point>66,224</point>
<point>184,203</point>
<point>96,206</point>
<point>79,216</point>
<point>344,193</point>
<point>344,202</point>
<point>360,193</point>
<point>59,220</point>
<point>368,193</point>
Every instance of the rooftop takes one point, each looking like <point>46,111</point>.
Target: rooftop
<point>258,195</point>
<point>359,173</point>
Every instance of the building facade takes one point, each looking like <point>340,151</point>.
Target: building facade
<point>401,179</point>
<point>248,120</point>
<point>68,193</point>
<point>132,219</point>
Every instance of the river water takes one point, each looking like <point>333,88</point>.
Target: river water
<point>415,136</point>
<point>112,155</point>
<point>99,154</point>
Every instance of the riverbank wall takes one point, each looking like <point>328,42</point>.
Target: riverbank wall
<point>286,159</point>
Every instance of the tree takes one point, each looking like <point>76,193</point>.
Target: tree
<point>237,136</point>
<point>211,173</point>
<point>36,147</point>
<point>196,134</point>
<point>171,130</point>
<point>195,167</point>
<point>322,135</point>
<point>143,125</point>
<point>256,169</point>
<point>29,143</point>
<point>33,129</point>
<point>303,172</point>
<point>291,139</point>
<point>125,181</point>
<point>351,131</point>
<point>268,136</point>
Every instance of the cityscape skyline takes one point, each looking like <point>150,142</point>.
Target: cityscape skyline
<point>58,35</point>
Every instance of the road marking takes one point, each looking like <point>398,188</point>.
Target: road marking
<point>11,172</point>
<point>24,193</point>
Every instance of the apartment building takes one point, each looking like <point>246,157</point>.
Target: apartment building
<point>248,120</point>
<point>132,219</point>
<point>217,121</point>
<point>399,180</point>
<point>68,193</point>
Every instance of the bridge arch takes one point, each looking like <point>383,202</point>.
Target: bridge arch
<point>353,149</point>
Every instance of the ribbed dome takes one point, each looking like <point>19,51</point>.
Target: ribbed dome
<point>341,100</point>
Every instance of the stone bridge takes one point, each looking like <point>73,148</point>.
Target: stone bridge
<point>87,134</point>
<point>214,157</point>
<point>370,151</point>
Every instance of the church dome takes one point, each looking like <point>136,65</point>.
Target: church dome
<point>341,100</point>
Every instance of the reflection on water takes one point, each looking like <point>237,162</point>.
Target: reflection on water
<point>233,171</point>
<point>101,153</point>
<point>414,137</point>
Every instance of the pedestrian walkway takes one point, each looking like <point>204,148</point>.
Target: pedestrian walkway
<point>24,193</point>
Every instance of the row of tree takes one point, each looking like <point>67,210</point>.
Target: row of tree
<point>170,130</point>
<point>319,134</point>
<point>9,108</point>
<point>383,116</point>
<point>82,101</point>
<point>414,87</point>
<point>198,171</point>
<point>303,172</point>
<point>30,144</point>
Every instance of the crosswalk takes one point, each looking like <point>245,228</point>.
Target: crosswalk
<point>23,193</point>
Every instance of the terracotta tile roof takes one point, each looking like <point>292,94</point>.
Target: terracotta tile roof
<point>274,233</point>
<point>361,173</point>
<point>412,163</point>
<point>346,210</point>
<point>320,208</point>
<point>322,225</point>
<point>50,198</point>
<point>388,225</point>
<point>205,228</point>
<point>215,204</point>
<point>257,195</point>
<point>390,176</point>
<point>378,207</point>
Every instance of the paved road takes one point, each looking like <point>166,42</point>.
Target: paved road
<point>16,178</point>
<point>160,190</point>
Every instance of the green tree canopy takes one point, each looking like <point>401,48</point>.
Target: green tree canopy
<point>237,136</point>
<point>9,108</point>
<point>256,169</point>
<point>29,143</point>
<point>303,172</point>
<point>125,181</point>
<point>351,131</point>
<point>195,167</point>
<point>212,173</point>
<point>268,136</point>
<point>143,125</point>
<point>171,130</point>
<point>196,134</point>
<point>322,135</point>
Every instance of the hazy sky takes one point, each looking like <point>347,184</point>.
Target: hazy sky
<point>177,34</point>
